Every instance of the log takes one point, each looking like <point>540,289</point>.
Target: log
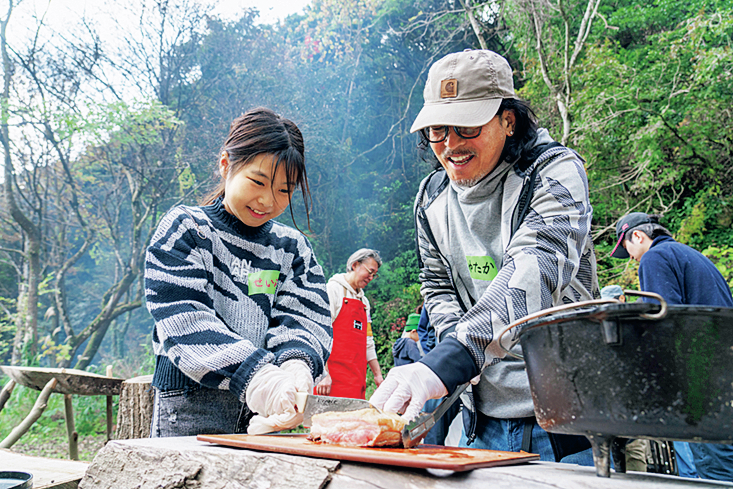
<point>183,462</point>
<point>110,407</point>
<point>135,408</point>
<point>5,394</point>
<point>71,428</point>
<point>35,413</point>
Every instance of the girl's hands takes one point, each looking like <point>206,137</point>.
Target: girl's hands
<point>302,374</point>
<point>271,394</point>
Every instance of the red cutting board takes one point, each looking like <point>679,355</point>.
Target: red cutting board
<point>423,456</point>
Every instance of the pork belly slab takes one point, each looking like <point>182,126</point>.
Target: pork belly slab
<point>362,428</point>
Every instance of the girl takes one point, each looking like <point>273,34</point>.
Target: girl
<point>240,305</point>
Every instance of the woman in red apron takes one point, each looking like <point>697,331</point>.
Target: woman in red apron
<point>353,345</point>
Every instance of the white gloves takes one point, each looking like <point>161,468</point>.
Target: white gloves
<point>408,386</point>
<point>302,373</point>
<point>271,394</point>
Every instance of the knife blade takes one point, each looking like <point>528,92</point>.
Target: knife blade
<point>415,431</point>
<point>310,404</point>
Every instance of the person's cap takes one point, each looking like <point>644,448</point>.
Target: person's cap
<point>465,89</point>
<point>611,292</point>
<point>629,221</point>
<point>412,322</point>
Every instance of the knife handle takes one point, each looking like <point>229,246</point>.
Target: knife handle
<point>300,400</point>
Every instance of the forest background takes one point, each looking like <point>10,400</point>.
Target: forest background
<point>106,126</point>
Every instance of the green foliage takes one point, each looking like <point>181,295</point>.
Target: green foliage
<point>393,296</point>
<point>722,257</point>
<point>654,123</point>
<point>7,333</point>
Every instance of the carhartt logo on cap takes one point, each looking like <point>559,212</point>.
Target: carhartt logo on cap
<point>624,227</point>
<point>449,88</point>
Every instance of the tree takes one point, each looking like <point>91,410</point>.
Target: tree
<point>556,34</point>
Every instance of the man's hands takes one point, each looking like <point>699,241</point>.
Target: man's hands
<point>271,394</point>
<point>408,387</point>
<point>324,386</point>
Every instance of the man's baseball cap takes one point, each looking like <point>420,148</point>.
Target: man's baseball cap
<point>412,322</point>
<point>611,292</point>
<point>465,89</point>
<point>626,223</point>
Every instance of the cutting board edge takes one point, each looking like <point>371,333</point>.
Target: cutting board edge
<point>369,456</point>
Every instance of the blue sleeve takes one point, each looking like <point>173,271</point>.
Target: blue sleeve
<point>425,331</point>
<point>452,363</point>
<point>413,352</point>
<point>657,275</point>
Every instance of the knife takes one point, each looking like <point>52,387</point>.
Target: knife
<point>310,404</point>
<point>412,433</point>
<point>415,431</point>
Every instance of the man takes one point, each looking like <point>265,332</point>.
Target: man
<point>681,275</point>
<point>353,343</point>
<point>407,348</point>
<point>613,292</point>
<point>503,230</point>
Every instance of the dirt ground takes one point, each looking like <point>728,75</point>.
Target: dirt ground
<point>59,448</point>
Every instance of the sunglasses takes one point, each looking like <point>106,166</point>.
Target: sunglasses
<point>438,134</point>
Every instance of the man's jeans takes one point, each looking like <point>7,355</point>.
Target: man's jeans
<point>439,431</point>
<point>685,460</point>
<point>194,411</point>
<point>506,435</point>
<point>713,460</point>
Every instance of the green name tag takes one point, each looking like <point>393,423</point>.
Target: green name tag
<point>481,267</point>
<point>264,282</point>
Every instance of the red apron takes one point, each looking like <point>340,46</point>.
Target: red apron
<point>347,363</point>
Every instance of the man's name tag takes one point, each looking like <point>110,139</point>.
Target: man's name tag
<point>482,267</point>
<point>263,282</point>
<point>358,325</point>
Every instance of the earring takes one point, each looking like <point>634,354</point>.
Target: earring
<point>511,133</point>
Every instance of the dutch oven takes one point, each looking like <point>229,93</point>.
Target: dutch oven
<point>607,370</point>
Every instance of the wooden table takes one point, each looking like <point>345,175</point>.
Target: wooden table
<point>48,473</point>
<point>69,381</point>
<point>186,462</point>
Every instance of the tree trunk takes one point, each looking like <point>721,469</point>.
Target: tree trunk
<point>29,313</point>
<point>135,408</point>
<point>5,393</point>
<point>474,25</point>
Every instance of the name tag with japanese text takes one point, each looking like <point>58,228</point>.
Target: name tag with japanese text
<point>482,267</point>
<point>263,282</point>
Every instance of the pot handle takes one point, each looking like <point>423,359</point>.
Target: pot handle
<point>662,303</point>
<point>552,310</point>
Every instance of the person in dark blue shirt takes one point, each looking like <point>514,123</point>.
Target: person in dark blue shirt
<point>425,331</point>
<point>439,432</point>
<point>681,275</point>
<point>406,350</point>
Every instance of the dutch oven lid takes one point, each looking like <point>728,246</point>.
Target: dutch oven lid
<point>600,310</point>
<point>16,480</point>
<point>598,313</point>
<point>621,310</point>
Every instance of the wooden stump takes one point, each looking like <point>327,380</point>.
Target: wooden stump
<point>135,408</point>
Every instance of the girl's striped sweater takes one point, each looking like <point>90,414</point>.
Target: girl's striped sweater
<point>228,298</point>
